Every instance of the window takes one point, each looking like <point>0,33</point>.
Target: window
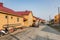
<point>17,19</point>
<point>55,20</point>
<point>6,16</point>
<point>55,16</point>
<point>34,20</point>
<point>25,20</point>
<point>11,17</point>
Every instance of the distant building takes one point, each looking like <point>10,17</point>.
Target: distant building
<point>57,19</point>
<point>38,19</point>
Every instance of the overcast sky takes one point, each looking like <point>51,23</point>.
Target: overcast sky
<point>40,8</point>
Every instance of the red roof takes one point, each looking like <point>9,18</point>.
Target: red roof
<point>39,18</point>
<point>42,19</point>
<point>36,17</point>
<point>10,11</point>
<point>22,13</point>
<point>4,9</point>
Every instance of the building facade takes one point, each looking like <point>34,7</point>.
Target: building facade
<point>57,19</point>
<point>28,18</point>
<point>11,18</point>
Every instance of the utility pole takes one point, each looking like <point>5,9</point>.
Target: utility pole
<point>59,14</point>
<point>49,19</point>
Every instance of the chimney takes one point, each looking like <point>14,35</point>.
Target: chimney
<point>1,4</point>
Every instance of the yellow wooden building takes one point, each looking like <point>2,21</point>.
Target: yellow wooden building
<point>9,17</point>
<point>27,18</point>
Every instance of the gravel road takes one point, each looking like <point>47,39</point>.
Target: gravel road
<point>44,32</point>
